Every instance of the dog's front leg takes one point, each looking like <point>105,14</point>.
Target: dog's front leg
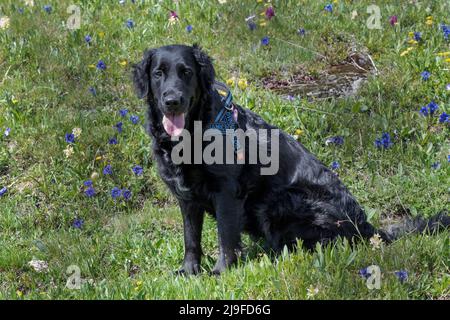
<point>229,213</point>
<point>192,224</point>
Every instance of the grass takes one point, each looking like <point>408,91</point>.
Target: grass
<point>127,249</point>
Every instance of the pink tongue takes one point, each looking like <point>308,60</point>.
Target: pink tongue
<point>173,124</point>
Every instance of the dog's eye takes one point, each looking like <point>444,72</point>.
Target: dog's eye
<point>187,72</point>
<point>158,73</point>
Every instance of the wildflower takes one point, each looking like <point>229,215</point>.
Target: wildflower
<point>94,175</point>
<point>402,275</point>
<point>222,1</point>
<point>90,192</point>
<point>251,25</point>
<point>424,111</point>
<point>7,132</point>
<point>4,23</point>
<point>129,24</point>
<point>134,119</point>
<point>107,170</point>
<point>425,75</point>
<point>393,20</point>
<point>101,65</point>
<point>432,107</point>
<point>189,28</point>
<point>448,158</point>
<point>242,84</point>
<point>417,36</point>
<point>19,293</point>
<point>76,132</point>
<point>93,91</point>
<point>376,241</point>
<point>436,165</point>
<point>429,21</point>
<point>337,140</point>
<point>299,132</point>
<point>126,194</point>
<point>3,191</point>
<point>443,118</point>
<point>78,223</point>
<point>230,82</point>
<point>115,192</point>
<point>265,41</point>
<point>123,112</point>
<point>113,140</point>
<point>384,142</point>
<point>335,165</point>
<point>118,126</point>
<point>88,38</point>
<point>101,34</point>
<point>301,32</point>
<point>123,63</point>
<point>270,13</point>
<point>87,183</point>
<point>70,138</point>
<point>329,8</point>
<point>290,98</point>
<point>311,291</point>
<point>446,30</point>
<point>68,151</point>
<point>138,170</point>
<point>38,265</point>
<point>48,8</point>
<point>173,17</point>
<point>29,3</point>
<point>364,273</point>
<point>406,51</point>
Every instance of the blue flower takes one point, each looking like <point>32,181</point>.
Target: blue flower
<point>115,192</point>
<point>20,10</point>
<point>417,36</point>
<point>432,107</point>
<point>87,183</point>
<point>443,118</point>
<point>301,32</point>
<point>189,28</point>
<point>251,25</point>
<point>130,24</point>
<point>134,119</point>
<point>48,8</point>
<point>265,41</point>
<point>337,140</point>
<point>101,65</point>
<point>70,138</point>
<point>118,126</point>
<point>113,140</point>
<point>78,223</point>
<point>425,75</point>
<point>384,142</point>
<point>93,91</point>
<point>3,191</point>
<point>138,170</point>
<point>364,273</point>
<point>329,8</point>
<point>90,192</point>
<point>436,165</point>
<point>126,194</point>
<point>107,170</point>
<point>446,31</point>
<point>448,158</point>
<point>424,111</point>
<point>335,165</point>
<point>87,38</point>
<point>123,112</point>
<point>7,132</point>
<point>402,275</point>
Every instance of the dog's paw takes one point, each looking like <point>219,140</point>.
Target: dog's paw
<point>188,269</point>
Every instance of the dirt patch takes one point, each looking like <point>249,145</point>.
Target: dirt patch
<point>341,80</point>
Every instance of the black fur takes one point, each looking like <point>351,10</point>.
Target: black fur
<point>305,200</point>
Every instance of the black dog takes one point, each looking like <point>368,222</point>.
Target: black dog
<point>304,200</point>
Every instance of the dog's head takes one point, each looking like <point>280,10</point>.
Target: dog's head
<point>174,79</point>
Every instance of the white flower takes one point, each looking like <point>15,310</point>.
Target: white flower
<point>222,1</point>
<point>354,14</point>
<point>311,291</point>
<point>4,22</point>
<point>376,241</point>
<point>76,132</point>
<point>29,3</point>
<point>38,265</point>
<point>68,151</point>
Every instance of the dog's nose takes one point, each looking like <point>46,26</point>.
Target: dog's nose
<point>172,101</point>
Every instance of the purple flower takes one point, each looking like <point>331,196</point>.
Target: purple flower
<point>417,36</point>
<point>402,275</point>
<point>337,140</point>
<point>7,132</point>
<point>301,32</point>
<point>393,20</point>
<point>335,165</point>
<point>447,87</point>
<point>364,273</point>
<point>3,191</point>
<point>115,192</point>
<point>78,223</point>
<point>138,170</point>
<point>265,41</point>
<point>113,140</point>
<point>436,165</point>
<point>87,38</point>
<point>425,75</point>
<point>126,194</point>
<point>101,65</point>
<point>87,183</point>
<point>251,25</point>
<point>107,170</point>
<point>118,126</point>
<point>48,8</point>
<point>270,13</point>
<point>134,119</point>
<point>384,142</point>
<point>329,8</point>
<point>70,138</point>
<point>130,24</point>
<point>123,112</point>
<point>189,28</point>
<point>443,118</point>
<point>90,192</point>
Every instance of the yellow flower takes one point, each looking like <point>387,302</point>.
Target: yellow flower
<point>447,60</point>
<point>230,82</point>
<point>429,21</point>
<point>222,93</point>
<point>444,54</point>
<point>101,34</point>
<point>406,51</point>
<point>92,66</point>
<point>412,41</point>
<point>123,63</point>
<point>263,24</point>
<point>242,84</point>
<point>411,34</point>
<point>14,101</point>
<point>298,132</point>
<point>98,158</point>
<point>19,293</point>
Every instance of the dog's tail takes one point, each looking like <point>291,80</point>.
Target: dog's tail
<point>437,223</point>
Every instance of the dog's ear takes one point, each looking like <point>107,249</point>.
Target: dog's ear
<point>141,74</point>
<point>206,73</point>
